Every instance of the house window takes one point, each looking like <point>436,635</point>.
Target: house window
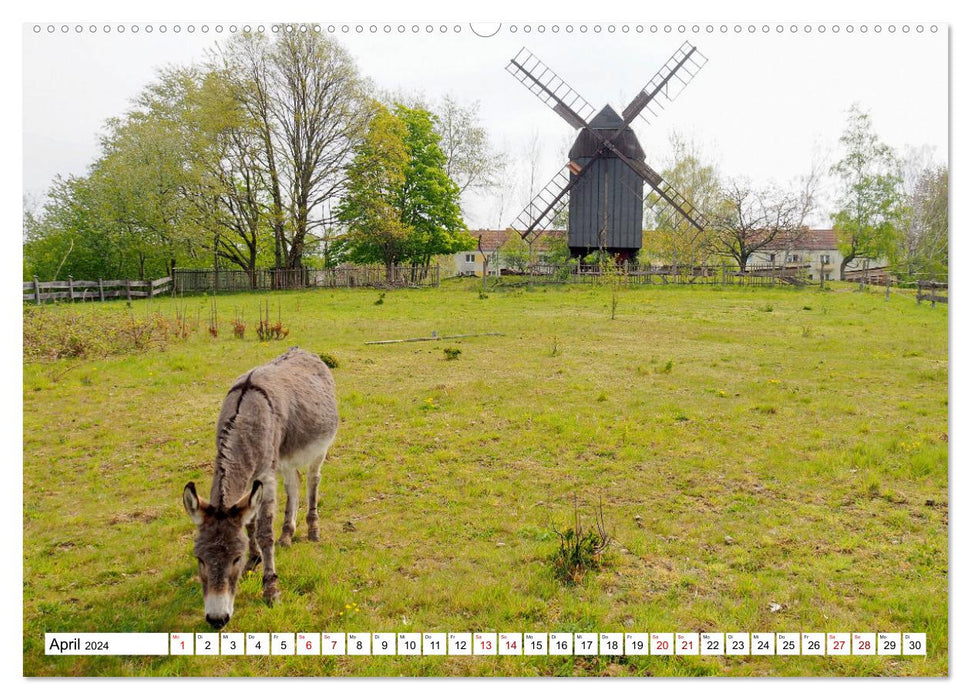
<point>771,257</point>
<point>829,276</point>
<point>824,258</point>
<point>470,257</point>
<point>793,258</point>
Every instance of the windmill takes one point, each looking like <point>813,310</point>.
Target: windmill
<point>606,171</point>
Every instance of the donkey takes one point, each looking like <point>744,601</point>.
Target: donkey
<point>281,416</point>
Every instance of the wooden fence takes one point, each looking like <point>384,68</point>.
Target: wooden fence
<point>189,281</point>
<point>99,290</point>
<point>760,275</point>
<point>928,290</point>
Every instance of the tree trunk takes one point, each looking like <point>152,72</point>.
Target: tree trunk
<point>846,261</point>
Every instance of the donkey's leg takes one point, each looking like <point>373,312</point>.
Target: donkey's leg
<point>264,535</point>
<point>292,483</point>
<point>313,481</point>
<point>254,549</point>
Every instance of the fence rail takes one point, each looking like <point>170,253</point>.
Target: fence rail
<point>94,290</point>
<point>928,290</point>
<point>207,280</point>
<point>754,275</point>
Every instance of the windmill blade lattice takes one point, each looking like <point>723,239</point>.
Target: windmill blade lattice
<point>544,207</point>
<point>672,210</point>
<point>666,85</point>
<point>540,80</point>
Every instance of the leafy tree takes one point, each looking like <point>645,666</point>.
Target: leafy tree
<point>870,206</point>
<point>67,237</point>
<point>691,173</point>
<point>428,199</point>
<point>370,209</point>
<point>228,191</point>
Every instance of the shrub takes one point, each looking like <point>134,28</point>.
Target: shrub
<point>329,360</point>
<point>55,333</point>
<point>580,550</point>
<point>451,353</point>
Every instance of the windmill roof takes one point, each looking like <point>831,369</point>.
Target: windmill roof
<point>606,118</point>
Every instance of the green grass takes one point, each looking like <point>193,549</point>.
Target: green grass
<point>741,460</point>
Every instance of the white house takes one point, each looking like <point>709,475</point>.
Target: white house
<point>818,249</point>
<point>491,244</point>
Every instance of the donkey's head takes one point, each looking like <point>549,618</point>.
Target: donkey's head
<point>221,547</point>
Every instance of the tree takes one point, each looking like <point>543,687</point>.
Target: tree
<point>428,199</point>
<point>870,207</point>
<point>305,95</point>
<point>470,160</point>
<point>376,232</point>
<point>749,219</point>
<point>691,172</point>
<point>924,244</point>
<point>229,191</point>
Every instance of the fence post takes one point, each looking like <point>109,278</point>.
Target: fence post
<point>70,287</point>
<point>933,295</point>
<point>128,289</point>
<point>151,289</point>
<point>101,290</point>
<point>36,290</point>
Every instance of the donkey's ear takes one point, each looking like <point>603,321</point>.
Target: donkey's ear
<point>249,505</point>
<point>194,505</point>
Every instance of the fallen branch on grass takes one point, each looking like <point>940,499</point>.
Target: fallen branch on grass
<point>433,336</point>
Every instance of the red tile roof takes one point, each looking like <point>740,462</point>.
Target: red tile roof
<point>808,239</point>
<point>492,240</point>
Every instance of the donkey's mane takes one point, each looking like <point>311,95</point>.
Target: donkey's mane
<point>224,450</point>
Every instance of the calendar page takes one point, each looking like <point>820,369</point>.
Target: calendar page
<point>427,348</point>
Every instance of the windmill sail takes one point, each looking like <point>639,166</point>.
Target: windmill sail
<point>666,85</point>
<point>673,210</point>
<point>540,80</point>
<point>547,204</point>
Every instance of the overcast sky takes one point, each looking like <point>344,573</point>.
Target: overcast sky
<point>763,106</point>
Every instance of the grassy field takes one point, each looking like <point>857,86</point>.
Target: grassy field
<point>767,460</point>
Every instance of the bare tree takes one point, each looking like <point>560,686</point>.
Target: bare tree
<point>749,219</point>
<point>309,104</point>
<point>471,161</point>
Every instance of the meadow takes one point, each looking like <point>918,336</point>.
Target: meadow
<point>766,460</point>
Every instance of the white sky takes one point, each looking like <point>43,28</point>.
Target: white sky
<point>762,106</point>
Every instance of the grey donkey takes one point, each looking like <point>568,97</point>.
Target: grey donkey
<point>279,417</point>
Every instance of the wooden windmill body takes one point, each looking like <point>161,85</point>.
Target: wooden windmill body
<point>605,178</point>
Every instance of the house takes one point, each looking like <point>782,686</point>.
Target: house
<point>502,249</point>
<point>815,247</point>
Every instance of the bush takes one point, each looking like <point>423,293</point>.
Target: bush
<point>580,550</point>
<point>55,333</point>
<point>329,360</point>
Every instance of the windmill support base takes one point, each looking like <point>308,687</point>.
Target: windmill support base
<point>620,255</point>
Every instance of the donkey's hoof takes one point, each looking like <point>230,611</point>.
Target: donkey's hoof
<point>285,540</point>
<point>271,594</point>
<point>313,534</point>
<point>254,561</point>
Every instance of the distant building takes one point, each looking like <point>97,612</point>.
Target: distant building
<point>498,247</point>
<point>818,249</point>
